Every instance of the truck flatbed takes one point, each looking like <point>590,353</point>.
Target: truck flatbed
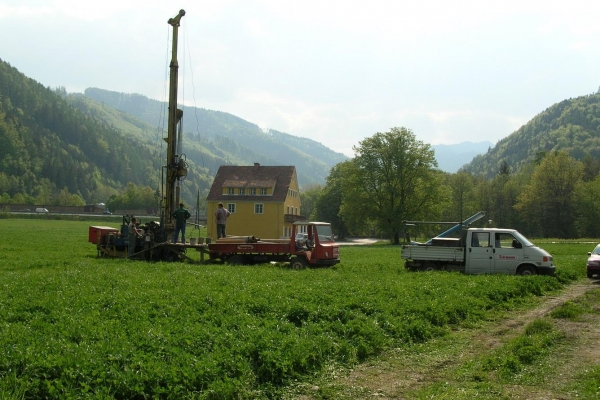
<point>433,253</point>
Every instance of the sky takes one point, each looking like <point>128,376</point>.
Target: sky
<point>333,71</point>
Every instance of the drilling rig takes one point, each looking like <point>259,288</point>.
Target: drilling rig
<point>176,168</point>
<point>153,243</point>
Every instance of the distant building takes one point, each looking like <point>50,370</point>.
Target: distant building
<point>264,201</point>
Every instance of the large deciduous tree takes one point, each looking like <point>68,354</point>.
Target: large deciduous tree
<point>392,178</point>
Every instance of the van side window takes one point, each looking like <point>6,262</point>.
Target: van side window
<point>505,240</point>
<point>481,239</point>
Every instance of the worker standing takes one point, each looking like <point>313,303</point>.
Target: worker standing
<point>181,215</point>
<point>133,231</point>
<point>221,216</point>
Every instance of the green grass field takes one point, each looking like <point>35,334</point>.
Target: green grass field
<point>76,326</point>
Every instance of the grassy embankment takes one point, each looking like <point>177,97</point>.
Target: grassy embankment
<point>74,325</point>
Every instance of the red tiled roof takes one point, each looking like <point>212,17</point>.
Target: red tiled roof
<point>255,176</point>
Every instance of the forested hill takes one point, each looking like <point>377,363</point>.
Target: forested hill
<point>216,138</point>
<point>52,142</point>
<point>48,146</point>
<point>572,125</point>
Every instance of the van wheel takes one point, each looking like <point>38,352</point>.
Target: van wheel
<point>527,270</point>
<point>298,263</point>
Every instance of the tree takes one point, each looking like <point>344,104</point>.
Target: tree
<point>19,198</point>
<point>588,208</point>
<point>135,197</point>
<point>64,198</point>
<point>548,201</point>
<point>393,177</point>
<point>504,191</point>
<point>308,198</point>
<point>462,205</point>
<point>329,202</point>
<point>504,169</point>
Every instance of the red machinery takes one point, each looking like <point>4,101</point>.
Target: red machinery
<point>311,244</point>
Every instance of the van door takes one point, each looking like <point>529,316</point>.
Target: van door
<point>508,253</point>
<point>479,255</point>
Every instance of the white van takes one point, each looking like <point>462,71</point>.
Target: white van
<point>41,210</point>
<point>481,251</point>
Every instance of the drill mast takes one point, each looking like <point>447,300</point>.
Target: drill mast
<point>176,167</point>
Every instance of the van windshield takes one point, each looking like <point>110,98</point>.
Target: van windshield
<point>523,240</point>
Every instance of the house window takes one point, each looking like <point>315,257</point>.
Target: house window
<point>252,190</point>
<point>258,208</point>
<point>231,207</point>
<point>287,209</point>
<point>263,191</point>
<point>241,191</point>
<point>229,190</point>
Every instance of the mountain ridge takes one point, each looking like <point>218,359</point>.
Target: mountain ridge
<point>236,138</point>
<point>572,125</point>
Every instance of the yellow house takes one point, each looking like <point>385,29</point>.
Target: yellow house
<point>263,201</point>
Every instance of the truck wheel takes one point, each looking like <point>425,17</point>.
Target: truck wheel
<point>590,274</point>
<point>236,259</point>
<point>429,267</point>
<point>527,270</point>
<point>298,263</point>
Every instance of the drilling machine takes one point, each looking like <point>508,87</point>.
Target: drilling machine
<point>154,245</point>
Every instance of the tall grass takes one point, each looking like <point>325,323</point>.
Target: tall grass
<point>73,325</point>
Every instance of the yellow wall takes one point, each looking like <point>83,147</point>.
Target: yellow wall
<point>244,222</point>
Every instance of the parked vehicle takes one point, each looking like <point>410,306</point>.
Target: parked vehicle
<point>479,251</point>
<point>315,246</point>
<point>593,263</point>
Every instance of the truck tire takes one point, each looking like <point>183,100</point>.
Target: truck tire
<point>298,263</point>
<point>590,274</point>
<point>237,259</point>
<point>527,270</point>
<point>429,267</point>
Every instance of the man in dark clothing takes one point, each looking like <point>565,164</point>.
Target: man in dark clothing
<point>221,216</point>
<point>181,215</point>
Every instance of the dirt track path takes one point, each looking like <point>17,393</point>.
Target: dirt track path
<point>395,375</point>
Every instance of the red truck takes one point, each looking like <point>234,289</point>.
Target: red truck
<point>311,244</point>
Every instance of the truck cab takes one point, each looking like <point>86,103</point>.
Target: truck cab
<point>314,244</point>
